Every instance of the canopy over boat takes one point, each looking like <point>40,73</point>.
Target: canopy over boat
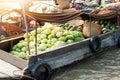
<point>69,15</point>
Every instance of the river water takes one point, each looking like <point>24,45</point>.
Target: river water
<point>102,67</point>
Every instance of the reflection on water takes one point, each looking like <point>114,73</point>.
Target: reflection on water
<point>103,67</point>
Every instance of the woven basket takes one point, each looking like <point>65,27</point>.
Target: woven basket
<point>63,4</point>
<point>103,14</point>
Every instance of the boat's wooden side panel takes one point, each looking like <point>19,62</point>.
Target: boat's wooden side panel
<point>7,44</point>
<point>20,63</point>
<point>62,50</point>
<point>68,58</point>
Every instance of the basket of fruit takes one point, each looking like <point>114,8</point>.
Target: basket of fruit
<point>103,14</point>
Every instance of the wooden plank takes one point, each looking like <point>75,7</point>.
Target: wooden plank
<point>68,58</point>
<point>6,70</point>
<point>20,63</point>
<point>61,50</point>
<point>12,38</point>
<point>7,44</point>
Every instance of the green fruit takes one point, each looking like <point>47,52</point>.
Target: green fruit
<point>44,41</point>
<point>79,28</point>
<point>62,38</point>
<point>76,33</point>
<point>54,39</point>
<point>18,50</point>
<point>66,25</point>
<point>32,33</point>
<point>14,47</point>
<point>39,30</point>
<point>43,36</point>
<point>70,37</point>
<point>49,45</point>
<point>51,36</point>
<point>60,43</point>
<point>72,28</point>
<point>102,25</point>
<point>107,27</point>
<point>31,38</point>
<point>49,41</point>
<point>78,39</point>
<point>25,35</point>
<point>23,55</point>
<point>59,34</point>
<point>32,51</point>
<point>47,31</point>
<point>66,33</point>
<point>31,44</point>
<point>60,25</point>
<point>24,49</point>
<point>14,52</point>
<point>20,45</point>
<point>69,27</point>
<point>96,22</point>
<point>42,47</point>
<point>70,41</point>
<point>113,26</point>
<point>101,22</point>
<point>38,40</point>
<point>58,29</point>
<point>103,29</point>
<point>53,31</point>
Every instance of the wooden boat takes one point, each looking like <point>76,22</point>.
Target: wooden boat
<point>40,66</point>
<point>58,57</point>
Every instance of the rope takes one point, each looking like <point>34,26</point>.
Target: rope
<point>7,75</point>
<point>20,76</point>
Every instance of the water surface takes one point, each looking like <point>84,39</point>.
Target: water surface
<point>103,67</point>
